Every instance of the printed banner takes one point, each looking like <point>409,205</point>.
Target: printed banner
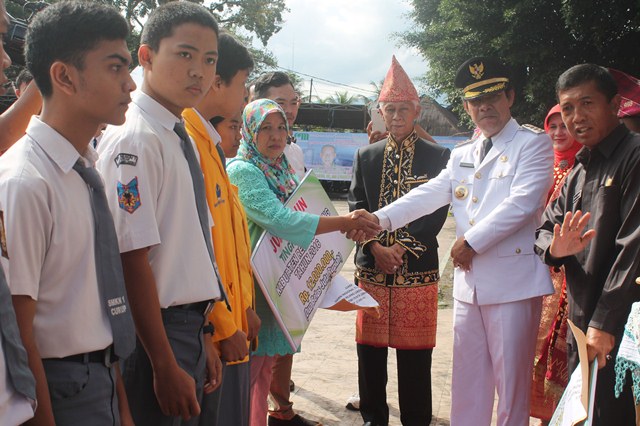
<point>295,281</point>
<point>576,403</point>
<point>331,154</point>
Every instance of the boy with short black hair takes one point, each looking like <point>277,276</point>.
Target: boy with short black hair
<point>229,130</point>
<point>229,405</point>
<point>156,195</point>
<point>61,254</point>
<point>23,80</point>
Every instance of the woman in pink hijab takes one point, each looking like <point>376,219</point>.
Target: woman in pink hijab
<point>550,373</point>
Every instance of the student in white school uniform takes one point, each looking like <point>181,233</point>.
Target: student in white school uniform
<point>62,261</point>
<point>163,229</point>
<point>17,385</point>
<point>17,394</point>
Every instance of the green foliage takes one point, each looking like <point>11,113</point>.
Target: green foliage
<point>262,18</point>
<point>342,98</point>
<point>539,39</point>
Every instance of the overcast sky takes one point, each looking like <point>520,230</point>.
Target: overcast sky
<point>344,41</point>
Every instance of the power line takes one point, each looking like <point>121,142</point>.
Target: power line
<point>327,81</point>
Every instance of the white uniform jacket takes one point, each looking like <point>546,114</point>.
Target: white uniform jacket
<point>497,206</point>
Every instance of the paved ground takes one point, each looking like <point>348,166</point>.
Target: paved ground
<point>325,372</point>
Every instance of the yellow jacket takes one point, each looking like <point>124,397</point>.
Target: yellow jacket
<point>229,235</point>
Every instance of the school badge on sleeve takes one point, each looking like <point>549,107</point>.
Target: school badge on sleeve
<point>129,196</point>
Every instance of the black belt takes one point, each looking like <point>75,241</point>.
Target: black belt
<point>104,356</point>
<point>203,307</point>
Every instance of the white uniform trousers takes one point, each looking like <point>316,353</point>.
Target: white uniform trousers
<point>493,348</point>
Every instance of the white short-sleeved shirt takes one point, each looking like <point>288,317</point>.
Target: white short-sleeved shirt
<point>213,133</point>
<point>151,197</point>
<point>15,408</point>
<point>295,156</point>
<point>50,253</point>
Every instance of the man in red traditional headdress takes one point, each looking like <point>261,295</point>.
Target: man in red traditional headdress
<point>398,268</point>
<point>629,90</point>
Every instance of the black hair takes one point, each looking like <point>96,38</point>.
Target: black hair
<point>24,77</point>
<point>269,80</point>
<point>584,73</point>
<point>65,32</point>
<point>165,18</point>
<point>233,56</point>
<point>216,120</point>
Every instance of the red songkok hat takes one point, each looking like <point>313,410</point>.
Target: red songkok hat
<point>397,86</point>
<point>629,90</point>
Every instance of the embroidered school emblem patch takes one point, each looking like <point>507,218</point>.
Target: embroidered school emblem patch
<point>129,196</point>
<point>124,158</point>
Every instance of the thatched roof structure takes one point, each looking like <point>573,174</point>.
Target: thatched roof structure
<point>439,121</point>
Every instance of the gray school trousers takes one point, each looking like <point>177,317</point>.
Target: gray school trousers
<point>184,331</point>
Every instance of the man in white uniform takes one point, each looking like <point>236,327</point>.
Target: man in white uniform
<point>497,185</point>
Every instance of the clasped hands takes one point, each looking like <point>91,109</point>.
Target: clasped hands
<point>361,225</point>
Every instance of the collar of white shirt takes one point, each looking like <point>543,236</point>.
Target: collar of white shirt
<point>155,111</point>
<point>503,136</point>
<point>57,147</point>
<point>213,133</point>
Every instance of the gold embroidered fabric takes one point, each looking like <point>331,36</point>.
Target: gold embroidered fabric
<point>397,180</point>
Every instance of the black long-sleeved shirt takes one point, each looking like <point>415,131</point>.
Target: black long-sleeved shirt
<point>601,279</point>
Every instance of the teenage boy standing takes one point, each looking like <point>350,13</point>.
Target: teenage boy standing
<point>17,385</point>
<point>61,253</point>
<point>235,328</point>
<point>156,195</point>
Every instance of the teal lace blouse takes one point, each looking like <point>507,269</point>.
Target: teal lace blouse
<point>265,212</point>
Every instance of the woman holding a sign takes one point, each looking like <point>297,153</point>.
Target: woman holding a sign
<point>265,180</point>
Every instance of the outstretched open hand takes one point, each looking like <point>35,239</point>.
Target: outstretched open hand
<point>568,238</point>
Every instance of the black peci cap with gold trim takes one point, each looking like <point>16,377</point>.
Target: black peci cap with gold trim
<point>481,76</point>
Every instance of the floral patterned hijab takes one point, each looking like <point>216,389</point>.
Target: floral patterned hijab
<point>280,176</point>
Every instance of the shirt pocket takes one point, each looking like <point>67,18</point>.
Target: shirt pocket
<point>518,244</point>
<point>501,178</point>
<point>414,181</point>
<point>606,213</point>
